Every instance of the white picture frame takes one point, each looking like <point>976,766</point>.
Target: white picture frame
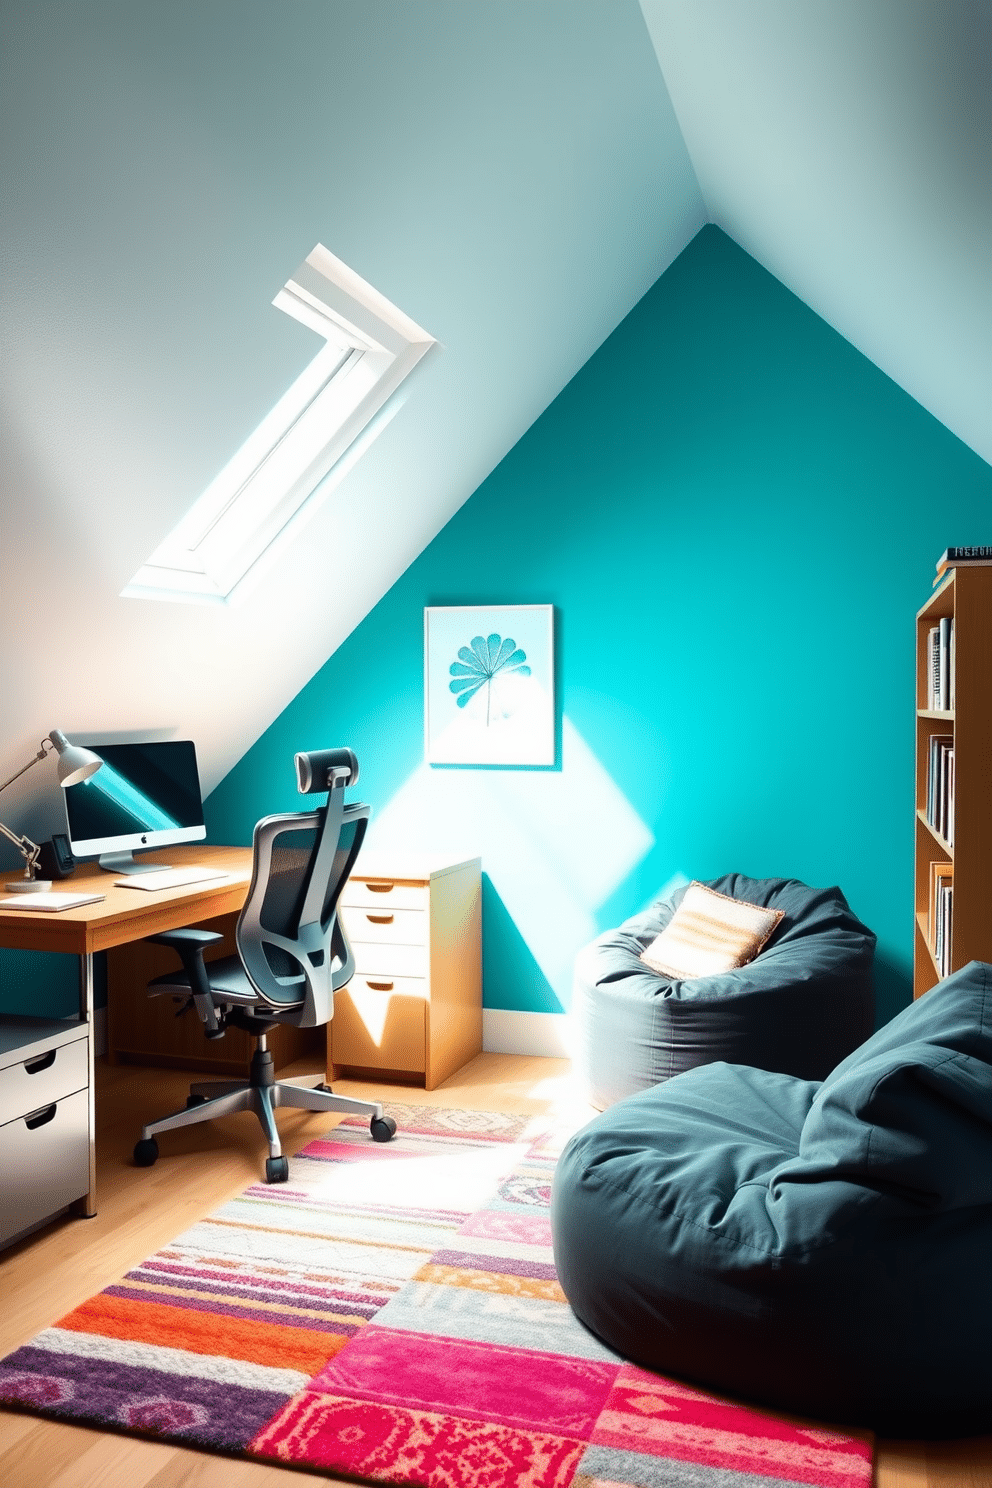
<point>487,701</point>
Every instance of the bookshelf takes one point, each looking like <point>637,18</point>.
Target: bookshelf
<point>964,851</point>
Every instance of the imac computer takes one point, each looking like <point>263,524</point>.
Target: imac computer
<point>146,795</point>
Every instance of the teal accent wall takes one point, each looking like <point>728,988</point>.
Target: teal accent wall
<point>36,984</point>
<point>736,516</point>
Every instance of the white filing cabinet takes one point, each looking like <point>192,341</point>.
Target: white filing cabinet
<point>413,1009</point>
<point>44,1120</point>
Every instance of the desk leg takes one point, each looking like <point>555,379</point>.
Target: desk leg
<point>88,1202</point>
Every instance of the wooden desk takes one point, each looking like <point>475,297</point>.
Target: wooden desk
<point>122,917</point>
<point>125,915</point>
<point>413,1011</point>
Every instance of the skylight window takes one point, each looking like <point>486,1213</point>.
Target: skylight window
<point>303,447</point>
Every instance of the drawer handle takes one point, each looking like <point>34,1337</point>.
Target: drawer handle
<point>374,888</point>
<point>40,1118</point>
<point>380,919</point>
<point>379,986</point>
<point>43,1062</point>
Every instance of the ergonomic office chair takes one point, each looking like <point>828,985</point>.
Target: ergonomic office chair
<point>292,957</point>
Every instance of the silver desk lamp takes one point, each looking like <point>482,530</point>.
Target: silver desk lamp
<point>74,764</point>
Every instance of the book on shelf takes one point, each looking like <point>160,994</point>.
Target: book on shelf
<point>940,915</point>
<point>973,557</point>
<point>944,666</point>
<point>940,666</point>
<point>940,775</point>
<point>944,927</point>
<point>932,900</point>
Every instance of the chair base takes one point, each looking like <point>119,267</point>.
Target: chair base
<point>261,1093</point>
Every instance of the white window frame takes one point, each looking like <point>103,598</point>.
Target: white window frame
<point>303,447</point>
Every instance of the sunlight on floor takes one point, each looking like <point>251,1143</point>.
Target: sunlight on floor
<point>566,1108</point>
<point>417,1179</point>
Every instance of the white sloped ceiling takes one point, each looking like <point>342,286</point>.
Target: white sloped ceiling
<point>847,145</point>
<point>513,177</point>
<point>510,176</point>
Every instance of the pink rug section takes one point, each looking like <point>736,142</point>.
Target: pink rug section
<point>517,1229</point>
<point>509,1387</point>
<point>650,1414</point>
<point>390,1445</point>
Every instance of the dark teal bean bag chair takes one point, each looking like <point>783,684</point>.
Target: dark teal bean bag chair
<point>818,1248</point>
<point>799,1007</point>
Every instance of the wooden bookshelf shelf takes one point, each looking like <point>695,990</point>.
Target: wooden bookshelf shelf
<point>945,847</point>
<point>965,597</point>
<point>922,931</point>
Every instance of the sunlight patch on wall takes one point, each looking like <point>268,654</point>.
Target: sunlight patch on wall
<point>555,844</point>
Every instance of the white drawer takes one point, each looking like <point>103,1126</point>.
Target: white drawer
<point>45,1162</point>
<point>380,961</point>
<point>47,1077</point>
<point>383,923</point>
<point>366,893</point>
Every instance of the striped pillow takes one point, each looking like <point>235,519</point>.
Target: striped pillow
<point>708,934</point>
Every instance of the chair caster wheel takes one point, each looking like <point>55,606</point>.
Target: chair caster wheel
<point>383,1129</point>
<point>195,1100</point>
<point>276,1169</point>
<point>146,1152</point>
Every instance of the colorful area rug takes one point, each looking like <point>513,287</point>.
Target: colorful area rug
<point>392,1314</point>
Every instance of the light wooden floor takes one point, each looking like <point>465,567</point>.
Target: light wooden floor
<point>141,1210</point>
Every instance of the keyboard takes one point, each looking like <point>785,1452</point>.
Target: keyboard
<point>169,878</point>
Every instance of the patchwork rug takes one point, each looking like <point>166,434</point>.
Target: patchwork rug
<point>392,1314</point>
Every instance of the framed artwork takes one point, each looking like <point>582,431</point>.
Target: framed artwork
<point>489,685</point>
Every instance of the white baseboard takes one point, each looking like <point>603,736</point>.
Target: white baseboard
<point>545,1034</point>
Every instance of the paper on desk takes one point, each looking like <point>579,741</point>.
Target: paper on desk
<point>44,900</point>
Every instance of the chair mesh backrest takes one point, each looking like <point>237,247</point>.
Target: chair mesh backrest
<point>283,895</point>
<point>289,937</point>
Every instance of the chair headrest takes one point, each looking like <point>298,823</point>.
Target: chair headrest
<point>318,770</point>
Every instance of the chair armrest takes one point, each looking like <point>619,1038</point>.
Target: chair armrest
<point>189,945</point>
<point>185,936</point>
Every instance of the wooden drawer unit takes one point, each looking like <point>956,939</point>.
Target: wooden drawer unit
<point>385,927</point>
<point>44,1121</point>
<point>413,1009</point>
<point>381,1023</point>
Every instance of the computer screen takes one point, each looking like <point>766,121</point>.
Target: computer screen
<point>145,796</point>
